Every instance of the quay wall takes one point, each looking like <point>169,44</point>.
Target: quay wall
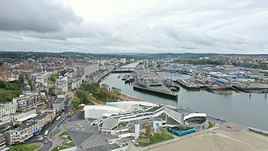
<point>258,131</point>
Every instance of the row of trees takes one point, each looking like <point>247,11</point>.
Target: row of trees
<point>197,61</point>
<point>262,66</point>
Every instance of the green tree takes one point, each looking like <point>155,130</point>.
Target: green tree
<point>75,102</point>
<point>21,78</point>
<point>53,78</point>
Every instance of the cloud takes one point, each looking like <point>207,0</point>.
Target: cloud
<point>37,15</point>
<point>225,26</point>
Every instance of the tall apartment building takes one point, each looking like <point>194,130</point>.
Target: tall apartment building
<point>28,101</point>
<point>6,110</point>
<point>2,141</point>
<point>58,103</point>
<point>62,85</point>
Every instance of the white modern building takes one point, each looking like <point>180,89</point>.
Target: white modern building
<point>98,111</point>
<point>131,105</point>
<point>125,119</point>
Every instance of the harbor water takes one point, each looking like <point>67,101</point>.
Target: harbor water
<point>231,106</point>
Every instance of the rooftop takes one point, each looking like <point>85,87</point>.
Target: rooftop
<point>27,117</point>
<point>110,123</point>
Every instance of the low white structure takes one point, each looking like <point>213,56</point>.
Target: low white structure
<point>131,105</point>
<point>195,115</point>
<point>198,120</point>
<point>20,117</point>
<point>98,111</point>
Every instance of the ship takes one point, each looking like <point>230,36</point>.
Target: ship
<point>154,88</point>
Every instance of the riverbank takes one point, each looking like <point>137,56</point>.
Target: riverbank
<point>126,97</point>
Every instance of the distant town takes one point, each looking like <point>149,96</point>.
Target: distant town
<point>71,101</point>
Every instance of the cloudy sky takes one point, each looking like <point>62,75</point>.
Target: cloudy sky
<point>106,26</point>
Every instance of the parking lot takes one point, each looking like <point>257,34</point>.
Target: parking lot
<point>86,136</point>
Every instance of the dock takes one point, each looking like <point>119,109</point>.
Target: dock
<point>251,88</point>
<point>217,88</point>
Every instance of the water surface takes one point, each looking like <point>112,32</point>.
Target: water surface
<point>237,107</point>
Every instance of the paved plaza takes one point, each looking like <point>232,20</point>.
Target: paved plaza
<point>229,137</point>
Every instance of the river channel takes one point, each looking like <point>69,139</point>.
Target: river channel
<point>236,107</point>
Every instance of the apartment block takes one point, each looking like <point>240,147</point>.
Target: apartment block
<point>7,109</point>
<point>62,85</point>
<point>28,101</point>
<point>2,141</point>
<point>18,135</point>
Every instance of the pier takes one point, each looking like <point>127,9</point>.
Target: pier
<point>251,88</point>
<point>258,131</point>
